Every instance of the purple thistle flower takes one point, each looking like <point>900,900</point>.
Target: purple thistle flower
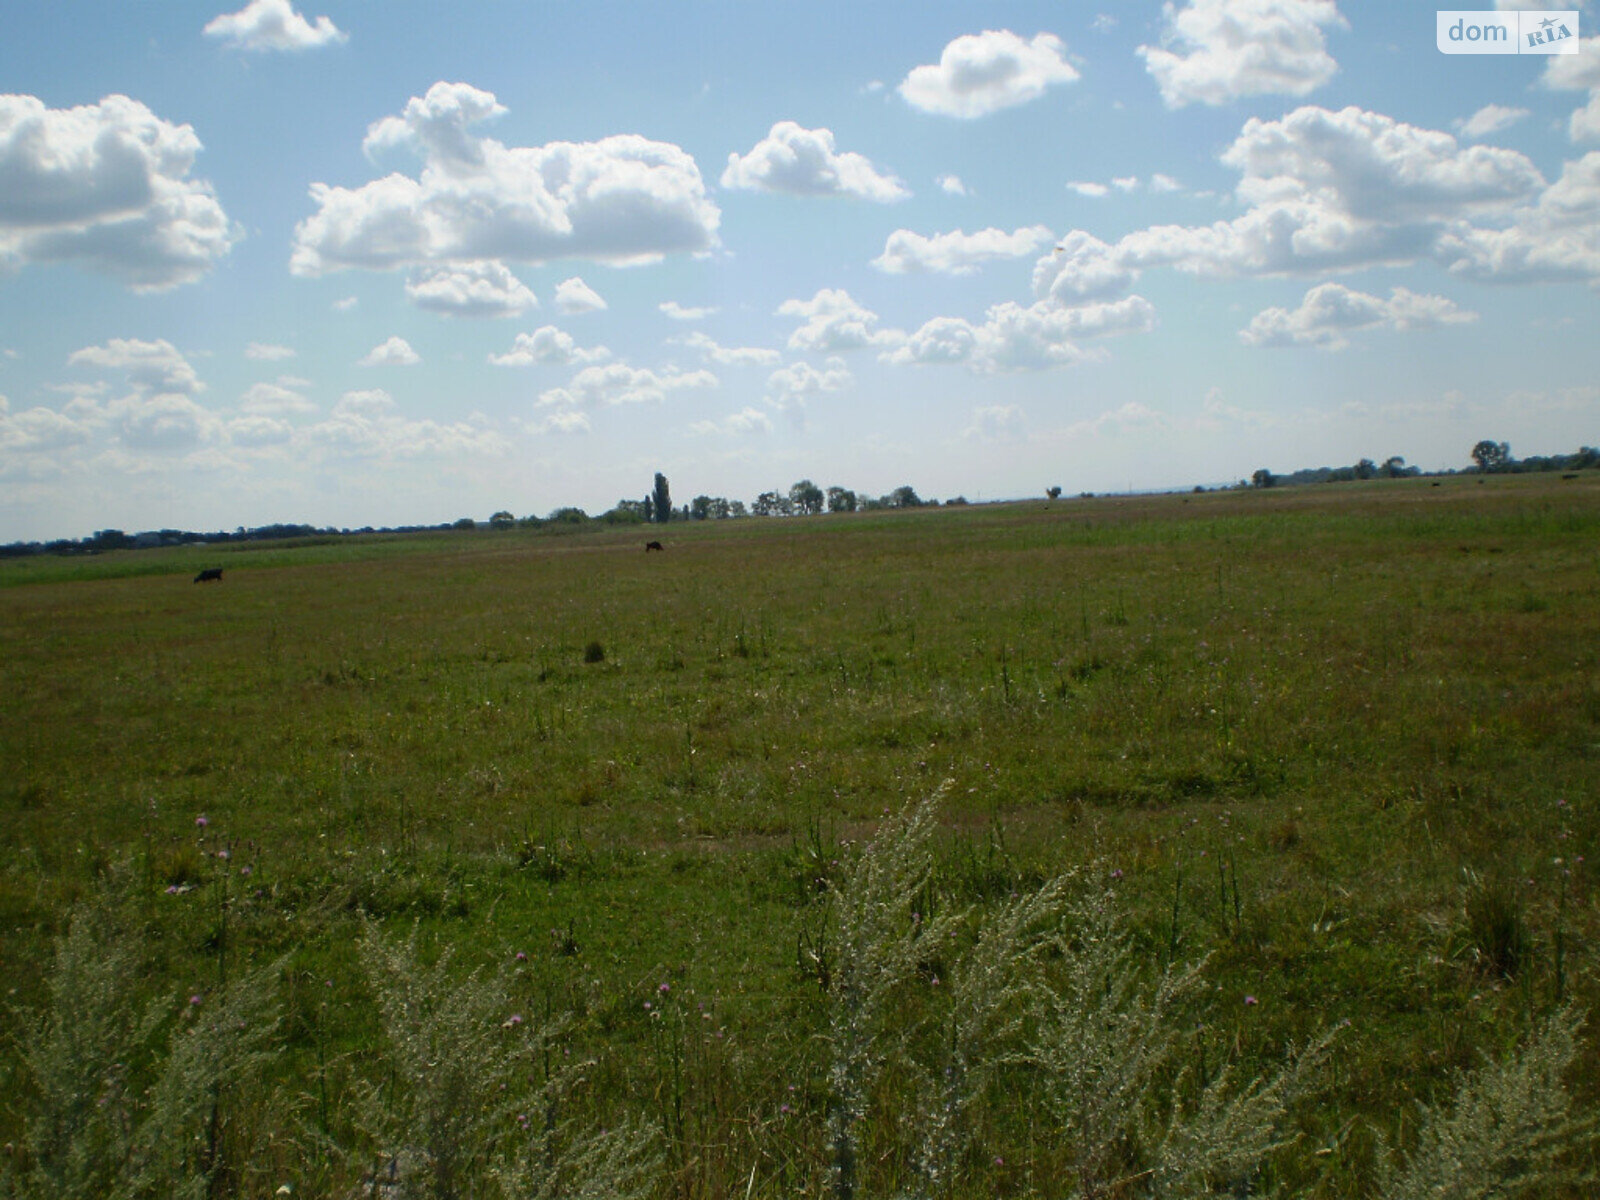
<point>201,822</point>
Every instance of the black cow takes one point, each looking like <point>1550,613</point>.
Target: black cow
<point>209,575</point>
<point>649,546</point>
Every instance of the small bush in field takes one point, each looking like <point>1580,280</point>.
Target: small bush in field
<point>594,652</point>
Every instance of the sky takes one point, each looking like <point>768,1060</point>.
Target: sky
<point>376,262</point>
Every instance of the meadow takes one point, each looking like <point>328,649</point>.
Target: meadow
<point>600,828</point>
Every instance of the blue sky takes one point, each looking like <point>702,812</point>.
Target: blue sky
<point>353,263</point>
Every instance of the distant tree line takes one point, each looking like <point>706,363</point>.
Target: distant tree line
<point>1488,457</point>
<point>802,499</point>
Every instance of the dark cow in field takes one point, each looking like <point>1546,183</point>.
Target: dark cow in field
<point>649,546</point>
<point>209,575</point>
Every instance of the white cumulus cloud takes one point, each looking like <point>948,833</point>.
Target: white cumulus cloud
<point>1491,118</point>
<point>956,253</point>
<point>791,386</point>
<point>805,162</point>
<point>1330,311</point>
<point>1216,51</point>
<point>267,352</point>
<point>272,25</point>
<point>106,186</point>
<point>982,73</point>
<point>1017,338</point>
<point>396,352</point>
<point>575,296</point>
<point>832,321</point>
<point>548,344</point>
<point>681,312</point>
<point>150,367</point>
<point>744,423</point>
<point>471,289</point>
<point>623,199</point>
<point>618,383</point>
<point>730,356</point>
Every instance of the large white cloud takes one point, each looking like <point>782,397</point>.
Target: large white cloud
<point>1331,311</point>
<point>107,186</point>
<point>982,73</point>
<point>1215,51</point>
<point>805,162</point>
<point>471,289</point>
<point>1556,237</point>
<point>1333,191</point>
<point>623,199</point>
<point>957,253</point>
<point>272,25</point>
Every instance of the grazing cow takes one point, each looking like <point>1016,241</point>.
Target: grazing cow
<point>649,546</point>
<point>209,575</point>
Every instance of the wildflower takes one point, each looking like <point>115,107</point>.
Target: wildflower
<point>665,987</point>
<point>223,854</point>
<point>201,822</point>
<point>647,1005</point>
<point>1117,874</point>
<point>512,1021</point>
<point>522,956</point>
<point>245,870</point>
<point>1251,1000</point>
<point>194,1000</point>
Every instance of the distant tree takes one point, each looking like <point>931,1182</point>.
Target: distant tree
<point>663,499</point>
<point>957,501</point>
<point>1053,492</point>
<point>1263,478</point>
<point>806,497</point>
<point>1366,469</point>
<point>904,496</point>
<point>841,500</point>
<point>568,516</point>
<point>502,520</point>
<point>1491,456</point>
<point>629,511</point>
<point>772,504</point>
<point>1394,466</point>
<point>649,509</point>
<point>465,523</point>
<point>700,508</point>
<point>736,508</point>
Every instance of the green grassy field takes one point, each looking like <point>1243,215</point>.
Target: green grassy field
<point>1341,743</point>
